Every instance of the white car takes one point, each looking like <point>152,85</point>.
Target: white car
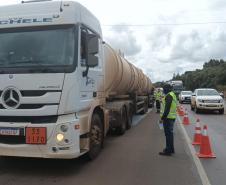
<point>185,96</point>
<point>207,99</point>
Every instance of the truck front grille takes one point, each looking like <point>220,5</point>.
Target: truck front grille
<point>32,93</point>
<point>29,119</point>
<point>36,92</point>
<point>31,106</point>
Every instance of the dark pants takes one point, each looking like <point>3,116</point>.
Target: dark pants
<point>168,129</point>
<point>157,104</point>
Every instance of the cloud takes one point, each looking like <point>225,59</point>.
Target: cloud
<point>200,46</point>
<point>217,4</point>
<point>176,50</point>
<point>188,47</point>
<point>122,38</point>
<point>160,38</point>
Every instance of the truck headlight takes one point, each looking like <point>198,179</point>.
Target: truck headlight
<point>60,137</point>
<point>221,100</point>
<point>199,100</point>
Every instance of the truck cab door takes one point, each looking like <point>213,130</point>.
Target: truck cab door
<point>91,66</point>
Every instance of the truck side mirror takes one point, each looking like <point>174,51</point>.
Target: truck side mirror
<point>93,49</point>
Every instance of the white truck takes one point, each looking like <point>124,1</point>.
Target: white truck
<point>177,86</point>
<point>61,86</point>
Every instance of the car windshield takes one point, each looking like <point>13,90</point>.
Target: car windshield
<point>207,92</point>
<point>177,87</point>
<point>28,48</point>
<point>186,93</point>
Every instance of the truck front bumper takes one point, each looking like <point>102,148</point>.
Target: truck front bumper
<point>67,148</point>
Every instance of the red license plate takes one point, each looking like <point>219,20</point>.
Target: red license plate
<point>35,135</point>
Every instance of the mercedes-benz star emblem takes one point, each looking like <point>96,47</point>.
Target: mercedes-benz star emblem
<point>10,76</point>
<point>11,98</point>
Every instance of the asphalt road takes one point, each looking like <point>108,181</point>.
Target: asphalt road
<point>215,168</point>
<point>131,159</point>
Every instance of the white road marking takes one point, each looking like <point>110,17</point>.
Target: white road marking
<point>201,171</point>
<point>138,118</point>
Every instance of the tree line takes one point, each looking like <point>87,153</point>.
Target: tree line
<point>213,75</point>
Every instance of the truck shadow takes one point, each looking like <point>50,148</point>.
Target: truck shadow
<point>52,168</point>
<point>42,167</point>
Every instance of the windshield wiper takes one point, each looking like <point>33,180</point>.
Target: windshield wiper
<point>42,70</point>
<point>24,62</point>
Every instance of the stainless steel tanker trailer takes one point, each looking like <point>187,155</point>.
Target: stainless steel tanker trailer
<point>62,87</point>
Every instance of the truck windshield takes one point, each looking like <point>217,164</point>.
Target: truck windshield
<point>42,49</point>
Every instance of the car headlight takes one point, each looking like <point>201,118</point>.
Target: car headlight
<point>199,100</point>
<point>221,100</point>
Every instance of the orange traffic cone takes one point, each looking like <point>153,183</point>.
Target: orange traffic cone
<point>178,108</point>
<point>197,136</point>
<point>186,120</point>
<point>205,149</point>
<point>181,111</point>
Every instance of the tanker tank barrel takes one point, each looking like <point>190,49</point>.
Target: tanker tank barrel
<point>122,77</point>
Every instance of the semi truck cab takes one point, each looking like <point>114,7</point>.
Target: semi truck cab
<point>51,79</point>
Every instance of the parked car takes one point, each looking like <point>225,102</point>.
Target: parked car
<point>185,96</point>
<point>207,99</point>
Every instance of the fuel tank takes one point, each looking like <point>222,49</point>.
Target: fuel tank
<point>122,77</point>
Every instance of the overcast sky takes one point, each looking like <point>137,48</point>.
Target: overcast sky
<point>162,37</point>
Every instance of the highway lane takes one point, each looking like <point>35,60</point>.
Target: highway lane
<point>215,168</point>
<point>131,159</point>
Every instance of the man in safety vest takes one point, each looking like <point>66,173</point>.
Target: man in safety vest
<point>158,95</point>
<point>168,116</point>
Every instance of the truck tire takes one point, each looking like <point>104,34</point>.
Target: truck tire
<point>123,122</point>
<point>96,137</point>
<point>150,105</point>
<point>150,102</point>
<point>129,118</point>
<point>145,108</point>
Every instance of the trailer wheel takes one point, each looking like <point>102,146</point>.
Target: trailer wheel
<point>129,118</point>
<point>150,105</point>
<point>96,137</point>
<point>145,108</point>
<point>123,120</point>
